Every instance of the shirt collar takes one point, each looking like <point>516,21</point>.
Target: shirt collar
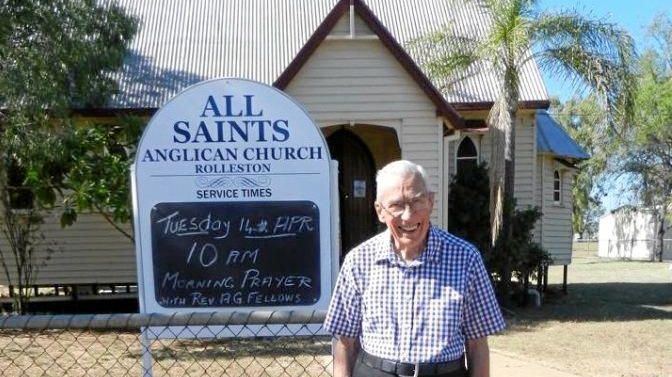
<point>432,251</point>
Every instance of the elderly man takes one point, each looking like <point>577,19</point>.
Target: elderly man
<point>413,299</point>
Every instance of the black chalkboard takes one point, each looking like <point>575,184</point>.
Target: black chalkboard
<point>236,254</point>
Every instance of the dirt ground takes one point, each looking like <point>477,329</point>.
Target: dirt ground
<point>616,320</point>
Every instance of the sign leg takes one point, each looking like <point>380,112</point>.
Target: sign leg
<point>147,360</point>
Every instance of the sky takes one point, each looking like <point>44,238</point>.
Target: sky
<point>634,16</point>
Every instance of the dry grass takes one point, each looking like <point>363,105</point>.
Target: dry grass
<point>616,321</point>
<point>86,353</point>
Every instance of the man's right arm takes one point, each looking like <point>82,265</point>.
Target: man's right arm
<point>345,354</point>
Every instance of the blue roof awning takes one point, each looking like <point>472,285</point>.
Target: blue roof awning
<point>552,139</point>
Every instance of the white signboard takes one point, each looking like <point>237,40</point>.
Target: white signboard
<point>232,203</point>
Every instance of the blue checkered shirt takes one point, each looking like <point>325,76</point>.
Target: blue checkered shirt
<point>420,311</point>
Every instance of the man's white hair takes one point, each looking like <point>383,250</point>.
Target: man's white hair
<point>399,169</point>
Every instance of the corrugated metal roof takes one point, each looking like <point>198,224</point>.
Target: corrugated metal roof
<point>407,20</point>
<point>181,42</point>
<point>552,138</point>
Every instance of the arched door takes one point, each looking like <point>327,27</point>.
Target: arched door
<point>356,188</point>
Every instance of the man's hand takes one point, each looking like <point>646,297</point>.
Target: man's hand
<point>478,357</point>
<point>345,354</point>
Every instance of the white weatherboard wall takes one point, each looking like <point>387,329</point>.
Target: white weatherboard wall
<point>349,81</point>
<point>539,197</point>
<point>90,251</point>
<point>556,223</point>
<point>524,159</point>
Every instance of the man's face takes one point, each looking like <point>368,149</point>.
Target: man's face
<point>404,205</point>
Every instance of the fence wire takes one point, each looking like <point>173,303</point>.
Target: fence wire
<point>184,345</point>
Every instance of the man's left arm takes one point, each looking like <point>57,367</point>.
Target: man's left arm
<point>482,318</point>
<point>478,357</point>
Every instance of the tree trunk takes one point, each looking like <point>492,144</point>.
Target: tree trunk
<point>502,171</point>
<point>661,233</point>
<point>502,119</point>
<point>506,233</point>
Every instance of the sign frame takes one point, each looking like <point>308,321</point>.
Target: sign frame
<point>280,122</point>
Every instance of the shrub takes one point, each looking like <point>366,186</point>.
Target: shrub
<point>469,218</point>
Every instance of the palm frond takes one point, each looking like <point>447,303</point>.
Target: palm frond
<point>594,53</point>
<point>444,56</point>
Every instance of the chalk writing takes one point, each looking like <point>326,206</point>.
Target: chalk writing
<point>242,256</point>
<point>236,254</point>
<point>254,279</point>
<point>173,224</point>
<point>172,280</point>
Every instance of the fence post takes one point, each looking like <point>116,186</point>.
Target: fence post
<point>147,359</point>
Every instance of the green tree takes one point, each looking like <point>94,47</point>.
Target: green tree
<point>98,181</point>
<point>582,118</point>
<point>55,56</point>
<point>594,53</point>
<point>647,152</point>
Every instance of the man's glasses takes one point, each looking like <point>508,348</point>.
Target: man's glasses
<point>397,209</point>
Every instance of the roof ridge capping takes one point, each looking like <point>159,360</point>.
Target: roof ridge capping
<point>443,108</point>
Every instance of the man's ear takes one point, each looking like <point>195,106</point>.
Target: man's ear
<point>430,196</point>
<point>380,212</point>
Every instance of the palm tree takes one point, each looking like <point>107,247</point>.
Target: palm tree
<point>593,53</point>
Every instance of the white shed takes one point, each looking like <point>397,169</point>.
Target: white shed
<point>632,233</point>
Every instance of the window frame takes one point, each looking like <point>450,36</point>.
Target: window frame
<point>557,191</point>
<point>459,158</point>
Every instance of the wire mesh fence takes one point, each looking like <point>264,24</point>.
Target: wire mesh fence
<point>185,345</point>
